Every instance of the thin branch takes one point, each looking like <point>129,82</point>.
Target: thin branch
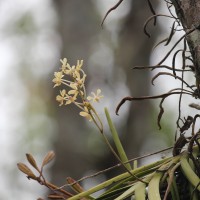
<point>169,74</point>
<point>150,18</point>
<point>110,10</point>
<point>129,98</point>
<point>174,61</point>
<point>161,66</point>
<point>171,34</point>
<point>160,42</point>
<point>183,67</point>
<point>181,38</point>
<point>152,10</point>
<point>115,166</point>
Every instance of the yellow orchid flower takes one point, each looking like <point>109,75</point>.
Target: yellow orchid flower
<point>96,97</point>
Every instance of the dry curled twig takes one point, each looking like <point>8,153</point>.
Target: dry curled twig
<point>182,78</point>
<point>152,67</point>
<point>150,18</point>
<point>110,10</point>
<point>162,96</point>
<point>171,34</point>
<point>169,74</point>
<point>152,10</point>
<point>180,39</point>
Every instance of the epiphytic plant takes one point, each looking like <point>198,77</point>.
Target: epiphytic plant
<point>176,177</point>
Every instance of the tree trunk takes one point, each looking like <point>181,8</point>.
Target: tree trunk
<point>188,12</point>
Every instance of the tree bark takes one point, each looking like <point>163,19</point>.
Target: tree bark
<point>188,12</point>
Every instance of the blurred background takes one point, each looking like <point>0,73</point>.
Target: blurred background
<point>34,36</point>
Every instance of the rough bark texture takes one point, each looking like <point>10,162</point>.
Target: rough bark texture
<point>188,12</point>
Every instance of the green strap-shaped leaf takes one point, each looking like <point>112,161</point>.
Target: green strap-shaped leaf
<point>117,141</point>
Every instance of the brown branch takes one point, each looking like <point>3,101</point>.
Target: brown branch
<point>110,10</point>
<point>171,34</point>
<point>182,77</point>
<point>160,42</point>
<point>169,74</point>
<point>160,66</point>
<point>181,38</point>
<point>150,18</point>
<point>174,61</point>
<point>152,10</point>
<point>129,98</point>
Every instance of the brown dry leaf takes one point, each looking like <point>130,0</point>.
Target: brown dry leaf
<point>26,170</point>
<point>50,155</point>
<point>76,186</point>
<point>32,161</point>
<point>55,196</point>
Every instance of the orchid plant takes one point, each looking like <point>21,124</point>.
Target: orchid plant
<point>73,77</point>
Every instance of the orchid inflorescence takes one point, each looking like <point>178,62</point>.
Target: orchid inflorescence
<point>74,78</point>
